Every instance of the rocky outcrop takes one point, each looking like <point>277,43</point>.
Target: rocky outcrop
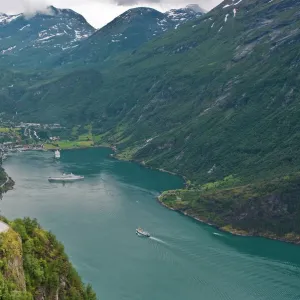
<point>12,260</point>
<point>269,208</point>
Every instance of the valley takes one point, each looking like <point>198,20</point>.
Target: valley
<point>214,98</point>
<point>210,96</point>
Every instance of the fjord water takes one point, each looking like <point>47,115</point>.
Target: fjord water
<point>96,220</point>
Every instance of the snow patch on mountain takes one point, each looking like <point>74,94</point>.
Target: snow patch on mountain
<point>28,25</point>
<point>8,49</point>
<point>58,29</point>
<point>232,4</point>
<point>6,19</point>
<point>183,15</point>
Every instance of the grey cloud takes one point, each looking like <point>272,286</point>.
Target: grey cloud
<point>26,6</point>
<point>207,4</point>
<point>134,2</point>
<point>32,6</point>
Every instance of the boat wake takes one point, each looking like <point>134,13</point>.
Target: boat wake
<point>218,234</point>
<point>158,240</point>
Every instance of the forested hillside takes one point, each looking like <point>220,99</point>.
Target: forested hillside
<point>220,92</point>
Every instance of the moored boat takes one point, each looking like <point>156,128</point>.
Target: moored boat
<point>57,154</point>
<point>66,178</point>
<point>141,232</point>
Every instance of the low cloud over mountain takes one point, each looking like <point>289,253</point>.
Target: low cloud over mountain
<point>98,12</point>
<point>38,5</point>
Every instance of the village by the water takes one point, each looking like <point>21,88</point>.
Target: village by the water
<point>28,137</point>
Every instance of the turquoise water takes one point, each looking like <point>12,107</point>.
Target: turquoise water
<point>96,221</point>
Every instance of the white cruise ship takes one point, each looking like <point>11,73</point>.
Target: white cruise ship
<point>66,178</point>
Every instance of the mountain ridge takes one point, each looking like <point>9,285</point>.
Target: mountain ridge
<point>44,37</point>
<point>127,32</point>
<point>39,37</point>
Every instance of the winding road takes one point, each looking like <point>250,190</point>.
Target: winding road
<point>3,184</point>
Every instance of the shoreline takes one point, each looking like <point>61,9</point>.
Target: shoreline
<point>235,232</point>
<point>113,156</point>
<point>7,185</point>
<point>185,180</point>
<point>78,148</point>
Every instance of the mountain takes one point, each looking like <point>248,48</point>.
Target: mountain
<point>216,100</point>
<point>180,16</point>
<point>127,32</point>
<point>194,89</point>
<point>32,40</point>
<point>37,41</point>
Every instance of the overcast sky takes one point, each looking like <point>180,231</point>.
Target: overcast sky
<point>98,12</point>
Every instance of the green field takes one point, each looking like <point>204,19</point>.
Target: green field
<point>69,144</point>
<point>7,130</point>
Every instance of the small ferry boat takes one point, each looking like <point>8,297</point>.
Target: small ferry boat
<point>141,232</point>
<point>66,178</point>
<point>57,154</point>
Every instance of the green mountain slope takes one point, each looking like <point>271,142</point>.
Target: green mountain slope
<point>61,99</point>
<point>215,99</point>
<point>209,97</point>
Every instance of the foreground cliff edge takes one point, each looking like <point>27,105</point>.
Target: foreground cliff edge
<point>33,264</point>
